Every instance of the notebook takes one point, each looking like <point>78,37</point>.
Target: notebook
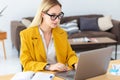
<point>30,75</point>
<point>91,63</point>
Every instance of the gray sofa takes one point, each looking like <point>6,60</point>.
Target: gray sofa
<point>113,33</point>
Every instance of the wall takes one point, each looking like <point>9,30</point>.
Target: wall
<point>18,9</point>
<point>106,7</point>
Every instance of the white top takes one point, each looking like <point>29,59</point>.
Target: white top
<point>50,51</point>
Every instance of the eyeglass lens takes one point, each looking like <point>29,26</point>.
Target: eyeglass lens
<point>54,17</point>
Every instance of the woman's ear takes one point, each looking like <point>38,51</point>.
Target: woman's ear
<point>42,14</point>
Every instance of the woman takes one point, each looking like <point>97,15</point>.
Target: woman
<point>44,46</point>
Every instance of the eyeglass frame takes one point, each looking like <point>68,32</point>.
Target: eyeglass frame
<point>53,17</point>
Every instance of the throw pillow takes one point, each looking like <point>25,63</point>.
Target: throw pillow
<point>89,24</point>
<point>27,21</point>
<point>70,27</point>
<point>105,23</point>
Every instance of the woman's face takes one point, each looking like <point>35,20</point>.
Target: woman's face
<point>53,16</point>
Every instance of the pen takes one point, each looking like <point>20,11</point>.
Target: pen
<point>32,76</point>
<point>51,77</point>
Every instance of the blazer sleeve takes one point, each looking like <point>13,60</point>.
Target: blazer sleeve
<point>72,57</point>
<point>27,55</point>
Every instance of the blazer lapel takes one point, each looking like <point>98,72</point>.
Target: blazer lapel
<point>38,44</point>
<point>57,35</point>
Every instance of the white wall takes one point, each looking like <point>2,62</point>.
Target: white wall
<point>106,7</point>
<point>18,9</point>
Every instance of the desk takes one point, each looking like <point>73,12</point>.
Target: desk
<point>106,76</point>
<point>3,35</point>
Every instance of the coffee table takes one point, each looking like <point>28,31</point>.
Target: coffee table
<point>95,41</point>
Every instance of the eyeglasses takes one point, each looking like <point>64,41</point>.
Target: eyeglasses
<point>54,17</point>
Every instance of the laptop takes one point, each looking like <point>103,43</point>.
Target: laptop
<point>91,63</point>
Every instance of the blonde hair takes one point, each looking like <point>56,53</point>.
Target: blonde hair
<point>44,7</point>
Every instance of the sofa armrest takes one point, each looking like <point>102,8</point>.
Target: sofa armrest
<point>19,28</point>
<point>116,29</point>
<point>16,27</point>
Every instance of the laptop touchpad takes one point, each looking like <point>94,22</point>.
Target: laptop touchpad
<point>67,75</point>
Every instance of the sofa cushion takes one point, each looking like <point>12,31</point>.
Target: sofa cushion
<point>89,24</point>
<point>105,23</point>
<point>27,21</point>
<point>70,27</point>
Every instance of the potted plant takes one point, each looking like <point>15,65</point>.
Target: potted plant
<point>1,11</point>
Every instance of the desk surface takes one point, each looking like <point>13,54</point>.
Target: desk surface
<point>107,76</point>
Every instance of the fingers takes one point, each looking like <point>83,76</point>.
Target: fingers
<point>62,68</point>
<point>58,67</point>
<point>76,66</point>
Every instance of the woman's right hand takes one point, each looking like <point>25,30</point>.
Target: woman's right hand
<point>58,67</point>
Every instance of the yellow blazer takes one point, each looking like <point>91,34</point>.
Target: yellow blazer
<point>32,52</point>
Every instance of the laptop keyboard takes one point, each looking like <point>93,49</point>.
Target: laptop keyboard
<point>67,75</point>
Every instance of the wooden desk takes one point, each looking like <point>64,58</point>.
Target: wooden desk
<point>3,36</point>
<point>106,76</point>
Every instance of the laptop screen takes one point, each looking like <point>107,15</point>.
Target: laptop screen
<point>91,63</point>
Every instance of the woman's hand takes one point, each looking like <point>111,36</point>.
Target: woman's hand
<point>58,67</point>
<point>75,66</point>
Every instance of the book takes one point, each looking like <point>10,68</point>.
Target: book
<point>43,76</point>
<point>83,39</point>
<point>29,75</point>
